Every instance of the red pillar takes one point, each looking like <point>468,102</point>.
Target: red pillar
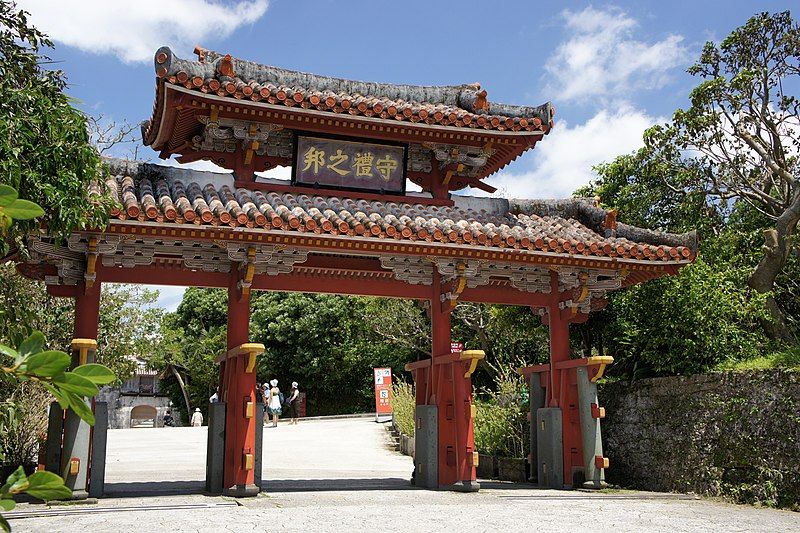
<point>238,392</point>
<point>453,396</point>
<point>87,312</point>
<point>563,392</point>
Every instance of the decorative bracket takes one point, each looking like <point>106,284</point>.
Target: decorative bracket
<point>90,276</point>
<point>473,356</point>
<point>450,298</point>
<point>248,271</point>
<point>249,349</point>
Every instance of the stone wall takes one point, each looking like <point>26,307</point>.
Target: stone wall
<point>729,434</point>
<point>120,407</point>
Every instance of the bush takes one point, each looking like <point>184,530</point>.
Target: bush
<point>499,429</point>
<point>23,424</point>
<point>403,406</point>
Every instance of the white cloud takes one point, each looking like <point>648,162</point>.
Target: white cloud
<point>563,160</point>
<point>601,57</point>
<point>169,298</point>
<point>134,29</point>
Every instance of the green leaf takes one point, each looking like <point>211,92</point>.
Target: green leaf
<point>78,405</point>
<point>61,397</point>
<point>31,345</point>
<point>47,486</point>
<point>7,350</point>
<point>4,525</point>
<point>7,505</point>
<point>47,364</point>
<point>71,382</point>
<point>7,195</point>
<point>23,210</point>
<point>16,482</point>
<point>97,374</point>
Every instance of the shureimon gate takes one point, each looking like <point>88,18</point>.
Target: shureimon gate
<point>345,224</point>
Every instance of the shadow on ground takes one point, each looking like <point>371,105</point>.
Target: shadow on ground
<point>316,485</point>
<point>169,488</point>
<point>153,488</point>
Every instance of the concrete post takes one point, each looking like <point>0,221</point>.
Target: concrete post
<point>55,433</point>
<point>215,449</point>
<point>549,451</point>
<point>97,473</point>
<point>426,447</point>
<point>537,401</point>
<point>590,431</point>
<point>257,469</point>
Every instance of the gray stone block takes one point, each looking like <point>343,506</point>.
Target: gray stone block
<point>215,451</point>
<point>99,440</point>
<point>426,436</point>
<point>549,448</point>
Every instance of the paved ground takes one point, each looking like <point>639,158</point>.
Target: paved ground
<point>338,475</point>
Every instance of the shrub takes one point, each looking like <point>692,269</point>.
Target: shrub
<point>23,422</point>
<point>403,405</point>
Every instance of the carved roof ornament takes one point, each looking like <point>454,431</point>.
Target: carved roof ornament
<point>226,135</point>
<point>413,270</point>
<point>268,259</point>
<point>471,156</point>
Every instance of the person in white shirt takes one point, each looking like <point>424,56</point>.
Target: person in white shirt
<point>275,402</point>
<point>197,418</point>
<point>291,402</point>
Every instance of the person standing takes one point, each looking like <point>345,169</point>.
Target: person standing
<point>291,402</point>
<point>265,400</point>
<point>275,403</point>
<point>197,418</point>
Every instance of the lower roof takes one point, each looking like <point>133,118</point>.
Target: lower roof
<point>170,197</point>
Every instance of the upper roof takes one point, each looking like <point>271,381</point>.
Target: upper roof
<point>573,227</point>
<point>456,106</point>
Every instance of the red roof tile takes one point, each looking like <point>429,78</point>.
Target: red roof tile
<point>459,106</point>
<point>527,225</point>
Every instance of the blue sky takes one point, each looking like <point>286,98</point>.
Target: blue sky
<point>611,69</point>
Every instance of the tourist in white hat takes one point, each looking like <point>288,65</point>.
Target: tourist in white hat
<point>197,418</point>
<point>291,402</point>
<point>275,402</point>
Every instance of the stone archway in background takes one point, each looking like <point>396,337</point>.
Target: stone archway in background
<point>142,413</point>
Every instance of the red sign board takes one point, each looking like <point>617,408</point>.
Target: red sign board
<point>347,164</point>
<point>456,347</point>
<point>383,392</point>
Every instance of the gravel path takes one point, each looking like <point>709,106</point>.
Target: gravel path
<point>339,475</point>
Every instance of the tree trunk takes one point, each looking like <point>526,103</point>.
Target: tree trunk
<point>183,390</point>
<point>777,243</point>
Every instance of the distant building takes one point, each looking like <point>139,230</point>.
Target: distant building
<point>139,402</point>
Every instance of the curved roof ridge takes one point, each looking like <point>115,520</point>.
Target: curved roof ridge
<point>585,211</point>
<point>215,65</point>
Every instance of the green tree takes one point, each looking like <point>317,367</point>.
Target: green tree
<point>740,139</point>
<point>45,153</point>
<point>129,327</point>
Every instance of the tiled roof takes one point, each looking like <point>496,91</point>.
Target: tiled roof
<point>193,198</point>
<point>461,106</point>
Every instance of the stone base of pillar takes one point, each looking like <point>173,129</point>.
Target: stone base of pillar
<point>242,491</point>
<point>78,495</point>
<point>463,486</point>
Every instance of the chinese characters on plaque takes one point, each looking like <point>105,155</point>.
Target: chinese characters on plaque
<point>355,165</point>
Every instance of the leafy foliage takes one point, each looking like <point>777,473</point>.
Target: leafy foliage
<point>740,141</point>
<point>30,362</point>
<point>70,388</point>
<point>404,405</point>
<point>45,152</point>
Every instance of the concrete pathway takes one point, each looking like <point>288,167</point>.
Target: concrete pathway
<point>339,475</point>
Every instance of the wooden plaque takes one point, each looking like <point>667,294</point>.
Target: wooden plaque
<point>347,164</point>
